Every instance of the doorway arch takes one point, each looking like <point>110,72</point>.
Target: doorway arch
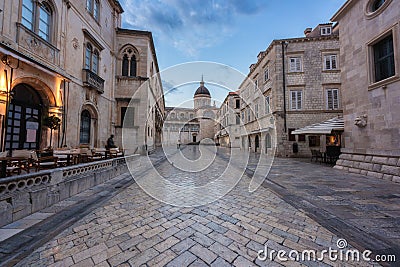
<point>87,132</point>
<point>24,118</point>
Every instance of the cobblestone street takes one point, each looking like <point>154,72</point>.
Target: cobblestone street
<point>134,229</point>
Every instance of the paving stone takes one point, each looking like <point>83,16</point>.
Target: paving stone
<point>217,228</point>
<point>122,257</point>
<point>136,228</point>
<point>223,252</point>
<point>228,218</point>
<point>184,245</point>
<point>79,256</point>
<point>169,232</point>
<point>237,237</point>
<point>223,240</point>
<point>166,244</point>
<point>185,233</point>
<point>202,239</point>
<point>153,232</point>
<point>163,258</point>
<point>131,242</point>
<point>285,234</point>
<point>198,227</point>
<point>184,259</point>
<point>198,263</point>
<point>149,243</point>
<point>143,257</point>
<point>116,240</point>
<point>203,253</point>
<point>220,262</point>
<point>243,262</point>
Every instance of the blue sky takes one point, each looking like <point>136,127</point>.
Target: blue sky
<point>229,32</point>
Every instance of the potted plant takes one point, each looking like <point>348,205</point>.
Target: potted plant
<point>52,122</point>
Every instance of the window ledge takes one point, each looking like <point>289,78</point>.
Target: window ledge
<point>331,71</point>
<point>295,72</point>
<point>384,83</point>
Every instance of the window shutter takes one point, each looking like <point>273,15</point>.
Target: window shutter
<point>333,57</point>
<point>299,102</point>
<point>298,64</point>
<point>292,64</point>
<point>293,100</point>
<point>335,96</point>
<point>327,63</point>
<point>329,99</point>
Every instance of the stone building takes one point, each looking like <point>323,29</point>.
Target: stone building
<point>229,121</point>
<point>187,125</point>
<point>138,92</point>
<point>295,82</point>
<point>370,64</point>
<point>180,125</point>
<point>64,58</point>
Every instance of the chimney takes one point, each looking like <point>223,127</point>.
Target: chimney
<point>307,31</point>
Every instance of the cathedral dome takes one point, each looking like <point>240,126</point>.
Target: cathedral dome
<point>202,90</point>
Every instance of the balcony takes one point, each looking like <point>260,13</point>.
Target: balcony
<point>35,46</point>
<point>92,80</point>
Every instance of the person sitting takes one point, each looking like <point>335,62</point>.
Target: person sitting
<point>110,142</point>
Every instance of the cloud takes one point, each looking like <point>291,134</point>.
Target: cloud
<point>189,26</point>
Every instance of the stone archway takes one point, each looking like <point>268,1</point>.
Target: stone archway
<point>88,117</point>
<point>45,92</point>
<point>24,120</point>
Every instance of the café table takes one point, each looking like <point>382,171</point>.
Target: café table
<point>73,157</point>
<point>6,160</point>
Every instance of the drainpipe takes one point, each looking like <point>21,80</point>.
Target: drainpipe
<point>284,45</point>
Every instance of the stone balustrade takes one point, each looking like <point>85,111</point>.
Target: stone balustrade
<point>25,194</point>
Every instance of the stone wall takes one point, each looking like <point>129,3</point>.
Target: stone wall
<point>373,147</point>
<point>23,195</point>
<point>382,167</point>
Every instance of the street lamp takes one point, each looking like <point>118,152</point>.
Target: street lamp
<point>7,61</point>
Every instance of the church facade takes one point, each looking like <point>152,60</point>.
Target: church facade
<point>191,125</point>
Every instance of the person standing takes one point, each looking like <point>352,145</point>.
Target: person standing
<point>110,142</point>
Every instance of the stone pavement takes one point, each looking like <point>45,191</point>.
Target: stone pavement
<point>364,210</point>
<point>134,229</point>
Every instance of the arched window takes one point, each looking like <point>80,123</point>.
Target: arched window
<point>133,66</point>
<point>95,62</point>
<point>37,17</point>
<point>92,59</point>
<point>88,56</point>
<point>125,66</point>
<point>44,22</point>
<point>85,127</point>
<point>129,62</point>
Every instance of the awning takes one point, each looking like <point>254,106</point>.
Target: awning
<point>326,127</point>
<point>262,130</point>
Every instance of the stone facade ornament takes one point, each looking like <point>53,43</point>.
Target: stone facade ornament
<point>75,43</point>
<point>361,121</point>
